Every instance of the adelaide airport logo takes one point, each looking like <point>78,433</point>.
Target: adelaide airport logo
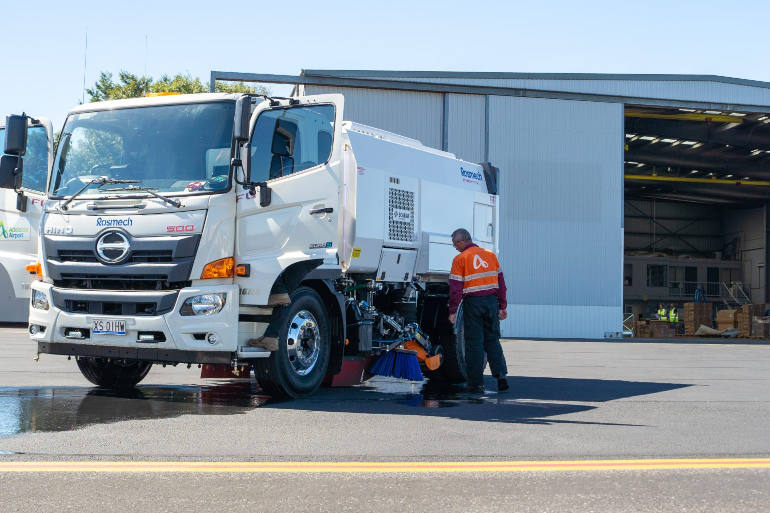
<point>13,232</point>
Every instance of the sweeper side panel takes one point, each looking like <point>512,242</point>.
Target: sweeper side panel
<point>409,200</point>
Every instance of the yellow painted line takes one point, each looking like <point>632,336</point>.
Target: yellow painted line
<point>685,179</point>
<point>378,466</point>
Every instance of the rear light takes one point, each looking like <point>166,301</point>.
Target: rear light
<point>222,268</point>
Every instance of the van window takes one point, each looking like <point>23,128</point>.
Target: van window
<point>35,159</point>
<point>290,140</point>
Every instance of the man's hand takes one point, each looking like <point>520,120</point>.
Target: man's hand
<point>502,315</point>
<point>452,317</point>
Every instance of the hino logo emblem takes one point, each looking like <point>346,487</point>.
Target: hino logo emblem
<point>112,247</point>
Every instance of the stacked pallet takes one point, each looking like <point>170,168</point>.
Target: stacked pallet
<point>695,315</point>
<point>744,317</point>
<point>725,319</point>
<point>760,327</point>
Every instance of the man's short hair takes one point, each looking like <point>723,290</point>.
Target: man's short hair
<point>461,234</point>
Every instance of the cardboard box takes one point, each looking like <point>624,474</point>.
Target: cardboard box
<point>744,318</point>
<point>725,319</point>
<point>695,315</point>
<point>661,329</point>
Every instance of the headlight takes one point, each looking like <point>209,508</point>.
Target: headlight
<point>39,300</point>
<point>205,304</point>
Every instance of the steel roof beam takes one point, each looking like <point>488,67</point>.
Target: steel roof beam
<point>735,164</point>
<point>428,87</point>
<point>748,135</point>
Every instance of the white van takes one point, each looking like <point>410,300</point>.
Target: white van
<point>20,212</point>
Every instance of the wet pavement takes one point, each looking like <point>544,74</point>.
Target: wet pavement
<point>52,409</point>
<point>568,401</point>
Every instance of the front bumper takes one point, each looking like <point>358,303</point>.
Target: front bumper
<point>177,338</point>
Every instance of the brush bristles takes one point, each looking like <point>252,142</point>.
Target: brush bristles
<point>398,364</point>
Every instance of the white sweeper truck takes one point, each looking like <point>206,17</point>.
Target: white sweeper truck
<point>195,229</point>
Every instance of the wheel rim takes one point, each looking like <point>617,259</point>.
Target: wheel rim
<point>303,343</point>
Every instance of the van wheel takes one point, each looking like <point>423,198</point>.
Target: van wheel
<point>115,374</point>
<point>299,365</point>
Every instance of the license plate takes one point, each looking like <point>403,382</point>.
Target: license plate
<point>108,327</point>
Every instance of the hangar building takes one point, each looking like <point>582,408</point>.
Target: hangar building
<point>618,192</point>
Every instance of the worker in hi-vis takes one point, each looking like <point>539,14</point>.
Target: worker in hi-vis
<point>477,281</point>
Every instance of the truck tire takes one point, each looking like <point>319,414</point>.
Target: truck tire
<point>299,365</point>
<point>115,374</point>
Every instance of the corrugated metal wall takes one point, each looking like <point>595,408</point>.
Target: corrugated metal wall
<point>417,115</point>
<point>561,238</point>
<point>561,163</point>
<point>466,126</point>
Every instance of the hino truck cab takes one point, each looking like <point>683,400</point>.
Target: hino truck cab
<point>230,229</point>
<point>21,207</point>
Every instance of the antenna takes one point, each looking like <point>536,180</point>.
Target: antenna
<point>85,67</point>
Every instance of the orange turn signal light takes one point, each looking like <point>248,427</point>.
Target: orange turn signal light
<point>243,270</point>
<point>222,268</point>
<point>35,268</point>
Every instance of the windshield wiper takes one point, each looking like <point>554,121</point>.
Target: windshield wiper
<point>102,180</point>
<point>149,190</point>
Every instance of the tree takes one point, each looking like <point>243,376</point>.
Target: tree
<point>130,85</point>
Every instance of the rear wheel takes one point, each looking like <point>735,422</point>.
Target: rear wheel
<point>114,374</point>
<point>299,365</point>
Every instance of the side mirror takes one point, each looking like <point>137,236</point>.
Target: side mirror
<point>10,172</point>
<point>16,135</point>
<point>242,119</point>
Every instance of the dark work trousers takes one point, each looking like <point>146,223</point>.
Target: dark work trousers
<point>482,334</point>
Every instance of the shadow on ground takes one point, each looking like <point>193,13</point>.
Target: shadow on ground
<point>530,400</point>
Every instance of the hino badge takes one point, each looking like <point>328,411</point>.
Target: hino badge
<point>181,229</point>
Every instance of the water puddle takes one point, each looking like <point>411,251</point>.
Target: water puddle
<point>30,409</point>
<point>531,399</point>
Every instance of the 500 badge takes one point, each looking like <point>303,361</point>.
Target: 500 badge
<point>180,228</point>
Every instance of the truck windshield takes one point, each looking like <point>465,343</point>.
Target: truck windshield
<point>182,148</point>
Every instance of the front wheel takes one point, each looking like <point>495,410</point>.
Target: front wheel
<point>114,374</point>
<point>299,365</point>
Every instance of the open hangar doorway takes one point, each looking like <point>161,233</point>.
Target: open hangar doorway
<point>697,185</point>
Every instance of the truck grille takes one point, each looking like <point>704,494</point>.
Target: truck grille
<point>119,282</point>
<point>94,302</point>
<point>162,256</point>
<point>154,263</point>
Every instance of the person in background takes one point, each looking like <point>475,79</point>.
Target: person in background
<point>673,314</point>
<point>477,281</point>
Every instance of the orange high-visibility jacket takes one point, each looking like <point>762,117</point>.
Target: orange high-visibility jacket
<point>475,272</point>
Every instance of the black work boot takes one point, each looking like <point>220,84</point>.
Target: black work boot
<point>502,385</point>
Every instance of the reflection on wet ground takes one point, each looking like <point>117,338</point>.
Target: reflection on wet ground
<point>530,400</point>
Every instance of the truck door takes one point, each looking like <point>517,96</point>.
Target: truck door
<point>296,150</point>
<point>19,230</point>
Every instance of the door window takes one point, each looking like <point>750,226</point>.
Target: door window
<point>290,140</point>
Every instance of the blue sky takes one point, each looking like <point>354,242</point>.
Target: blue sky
<point>703,37</point>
